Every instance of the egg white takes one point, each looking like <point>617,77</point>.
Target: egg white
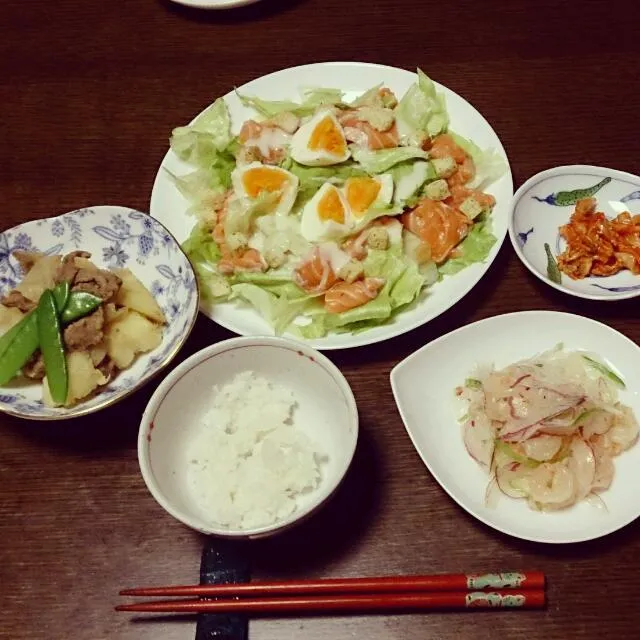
<point>313,228</point>
<point>301,152</point>
<point>289,190</point>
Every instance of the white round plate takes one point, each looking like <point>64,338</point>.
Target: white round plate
<point>168,205</point>
<point>214,4</point>
<point>537,216</point>
<point>423,386</point>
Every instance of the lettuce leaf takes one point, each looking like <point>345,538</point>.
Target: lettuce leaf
<point>278,310</point>
<point>403,285</point>
<point>312,98</point>
<point>242,211</point>
<point>474,248</point>
<point>490,165</point>
<point>312,178</point>
<point>382,160</point>
<point>210,133</point>
<point>421,113</point>
<point>204,253</point>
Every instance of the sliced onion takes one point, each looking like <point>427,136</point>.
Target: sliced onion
<point>512,480</point>
<point>479,440</point>
<point>582,462</point>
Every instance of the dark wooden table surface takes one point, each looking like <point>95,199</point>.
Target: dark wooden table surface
<point>89,91</point>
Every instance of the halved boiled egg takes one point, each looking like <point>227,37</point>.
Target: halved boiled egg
<point>253,179</point>
<point>326,215</point>
<point>363,193</point>
<point>320,141</point>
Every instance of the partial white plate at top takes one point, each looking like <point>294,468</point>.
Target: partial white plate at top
<point>214,4</point>
<point>169,206</point>
<point>423,386</point>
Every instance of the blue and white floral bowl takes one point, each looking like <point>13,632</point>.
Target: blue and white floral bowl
<point>547,200</point>
<point>115,237</point>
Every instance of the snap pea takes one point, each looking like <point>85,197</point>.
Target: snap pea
<point>79,304</point>
<point>50,337</point>
<point>7,338</point>
<point>61,295</point>
<point>22,346</point>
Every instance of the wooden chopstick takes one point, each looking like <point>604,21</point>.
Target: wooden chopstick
<point>380,602</point>
<point>386,584</point>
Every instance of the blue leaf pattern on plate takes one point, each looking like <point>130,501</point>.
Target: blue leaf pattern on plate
<point>635,287</point>
<point>523,236</point>
<point>120,238</point>
<point>632,196</point>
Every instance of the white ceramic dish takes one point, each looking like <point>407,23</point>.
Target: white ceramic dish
<point>214,4</point>
<point>423,385</point>
<point>353,78</point>
<point>115,237</point>
<point>327,413</point>
<point>537,215</point>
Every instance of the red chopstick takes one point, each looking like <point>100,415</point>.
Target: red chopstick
<point>379,602</point>
<point>388,584</point>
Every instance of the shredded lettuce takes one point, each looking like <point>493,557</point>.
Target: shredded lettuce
<point>382,160</point>
<point>474,248</point>
<point>210,133</point>
<point>490,165</point>
<point>312,98</point>
<point>421,113</point>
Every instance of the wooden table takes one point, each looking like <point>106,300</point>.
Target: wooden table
<point>89,92</point>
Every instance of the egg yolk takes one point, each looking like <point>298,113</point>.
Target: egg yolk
<point>330,207</point>
<point>361,193</point>
<point>263,179</point>
<point>326,136</point>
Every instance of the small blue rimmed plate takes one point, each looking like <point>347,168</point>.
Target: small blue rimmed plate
<point>547,200</point>
<point>115,237</point>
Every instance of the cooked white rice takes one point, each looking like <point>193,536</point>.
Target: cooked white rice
<point>249,461</point>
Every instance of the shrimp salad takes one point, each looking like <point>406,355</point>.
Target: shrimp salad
<point>332,216</point>
<point>548,428</point>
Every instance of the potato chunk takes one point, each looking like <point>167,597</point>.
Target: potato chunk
<point>134,295</point>
<point>129,335</point>
<point>83,379</point>
<point>41,276</point>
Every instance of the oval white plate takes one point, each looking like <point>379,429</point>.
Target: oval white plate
<point>536,218</point>
<point>168,205</point>
<point>423,386</point>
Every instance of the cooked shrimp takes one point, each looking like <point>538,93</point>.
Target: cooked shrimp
<point>438,224</point>
<point>342,296</point>
<point>315,275</point>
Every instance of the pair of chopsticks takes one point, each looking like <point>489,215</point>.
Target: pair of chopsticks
<point>425,593</point>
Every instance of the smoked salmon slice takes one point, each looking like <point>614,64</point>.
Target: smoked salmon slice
<point>315,275</point>
<point>342,296</point>
<point>364,134</point>
<point>459,194</point>
<point>444,146</point>
<point>243,260</point>
<point>442,227</point>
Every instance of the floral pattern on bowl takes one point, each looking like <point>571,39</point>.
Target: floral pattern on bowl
<point>115,237</point>
<point>547,200</point>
